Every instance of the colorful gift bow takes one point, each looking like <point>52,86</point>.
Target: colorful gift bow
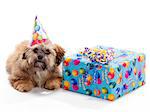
<point>100,55</point>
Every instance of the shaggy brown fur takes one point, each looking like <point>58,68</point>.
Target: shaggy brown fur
<point>35,66</point>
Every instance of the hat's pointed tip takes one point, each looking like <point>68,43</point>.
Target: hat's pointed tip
<point>36,17</point>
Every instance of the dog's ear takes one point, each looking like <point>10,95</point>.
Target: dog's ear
<point>24,55</point>
<point>59,54</point>
<point>22,49</point>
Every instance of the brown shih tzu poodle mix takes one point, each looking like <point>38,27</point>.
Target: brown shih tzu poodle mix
<point>35,66</point>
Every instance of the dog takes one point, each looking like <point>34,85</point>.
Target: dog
<point>35,66</point>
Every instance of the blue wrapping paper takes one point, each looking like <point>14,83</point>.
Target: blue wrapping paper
<point>108,79</point>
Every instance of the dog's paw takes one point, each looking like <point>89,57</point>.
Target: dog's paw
<point>23,86</point>
<point>53,84</point>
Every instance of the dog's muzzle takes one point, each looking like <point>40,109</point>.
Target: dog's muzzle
<point>40,64</point>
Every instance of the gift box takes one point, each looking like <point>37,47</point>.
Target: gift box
<point>103,72</point>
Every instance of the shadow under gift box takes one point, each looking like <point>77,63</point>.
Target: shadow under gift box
<point>123,74</point>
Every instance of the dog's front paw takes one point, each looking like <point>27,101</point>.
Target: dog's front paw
<point>23,86</point>
<point>53,83</point>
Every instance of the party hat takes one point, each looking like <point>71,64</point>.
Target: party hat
<point>39,34</point>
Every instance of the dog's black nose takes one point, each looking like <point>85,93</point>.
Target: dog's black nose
<point>40,57</point>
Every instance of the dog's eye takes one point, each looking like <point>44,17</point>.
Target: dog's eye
<point>35,50</point>
<point>47,51</point>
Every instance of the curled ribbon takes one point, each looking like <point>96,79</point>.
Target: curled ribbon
<point>100,55</point>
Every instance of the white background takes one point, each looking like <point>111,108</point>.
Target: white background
<point>74,24</point>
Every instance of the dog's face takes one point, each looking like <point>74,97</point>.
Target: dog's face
<point>42,57</point>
